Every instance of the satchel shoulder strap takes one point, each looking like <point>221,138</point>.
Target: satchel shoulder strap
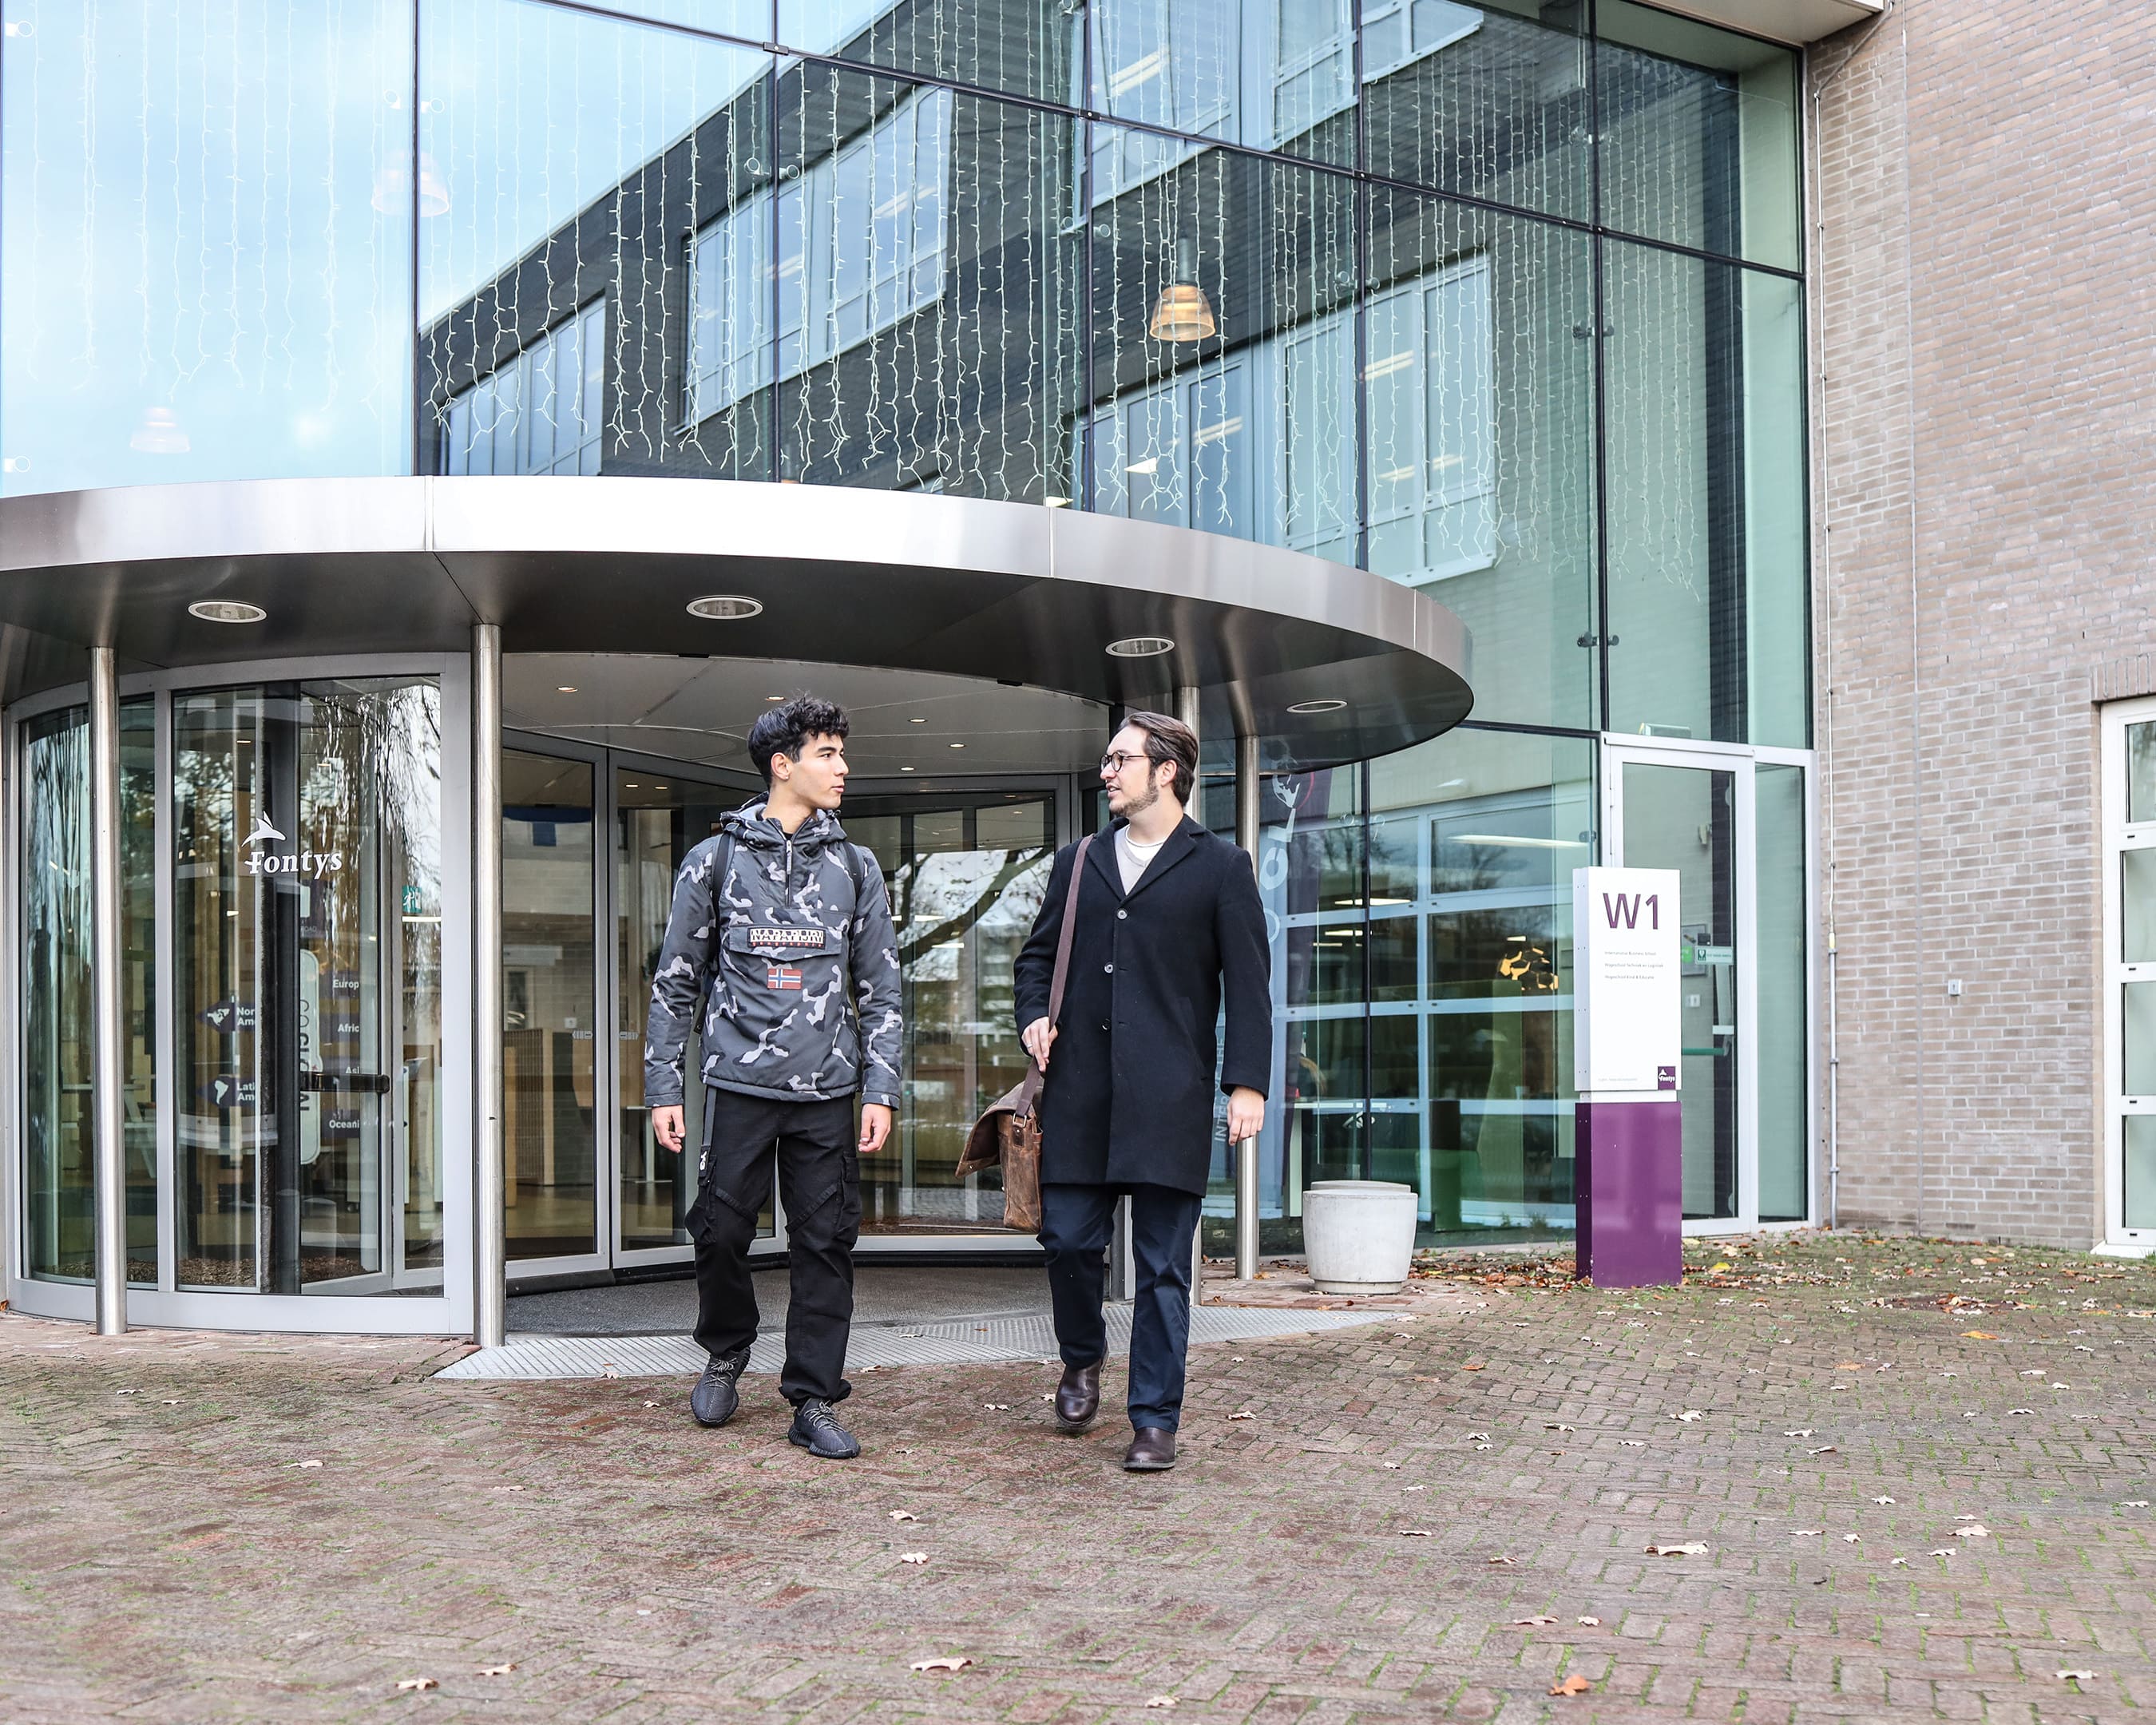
<point>1065,935</point>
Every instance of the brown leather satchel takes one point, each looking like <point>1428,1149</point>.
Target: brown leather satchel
<point>1009,1133</point>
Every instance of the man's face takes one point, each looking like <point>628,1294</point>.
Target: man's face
<point>818,776</point>
<point>1133,783</point>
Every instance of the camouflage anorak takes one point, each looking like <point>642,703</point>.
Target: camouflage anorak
<point>776,940</point>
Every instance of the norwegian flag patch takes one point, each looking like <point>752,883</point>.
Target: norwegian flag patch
<point>782,976</point>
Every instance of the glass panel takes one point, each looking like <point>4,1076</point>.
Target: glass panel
<point>749,18</point>
<point>2141,1171</point>
<point>308,906</point>
<point>1488,100</point>
<point>58,1154</point>
<point>2137,897</point>
<point>1699,135</point>
<point>1027,47</point>
<point>206,221</point>
<point>2141,773</point>
<point>1780,937</point>
<point>564,156</point>
<point>1500,821</point>
<point>1272,75</point>
<point>931,342</point>
<point>551,1023</point>
<point>1480,393</point>
<point>2140,1075</point>
<point>657,817</point>
<point>1684,817</point>
<point>965,877</point>
<point>1705,378</point>
<point>1224,356</point>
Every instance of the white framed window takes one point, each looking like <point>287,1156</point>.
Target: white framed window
<point>540,412</point>
<point>1431,372</point>
<point>862,242</point>
<point>1178,452</point>
<point>2129,803</point>
<point>1396,32</point>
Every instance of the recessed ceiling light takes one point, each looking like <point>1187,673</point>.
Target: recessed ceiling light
<point>565,689</point>
<point>630,785</point>
<point>1141,647</point>
<point>1317,706</point>
<point>916,721</point>
<point>957,745</point>
<point>905,769</point>
<point>774,697</point>
<point>226,611</point>
<point>725,607</point>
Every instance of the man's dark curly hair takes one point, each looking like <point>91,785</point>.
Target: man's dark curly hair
<point>781,730</point>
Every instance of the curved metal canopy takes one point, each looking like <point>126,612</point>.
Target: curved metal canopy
<point>959,586</point>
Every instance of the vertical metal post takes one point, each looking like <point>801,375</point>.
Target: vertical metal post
<point>1246,1153</point>
<point>490,1245</point>
<point>108,1023</point>
<point>1187,709</point>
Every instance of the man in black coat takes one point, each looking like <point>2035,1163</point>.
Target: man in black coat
<point>1167,914</point>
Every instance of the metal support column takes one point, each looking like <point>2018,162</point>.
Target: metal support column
<point>1187,709</point>
<point>108,1021</point>
<point>490,1253</point>
<point>1246,1153</point>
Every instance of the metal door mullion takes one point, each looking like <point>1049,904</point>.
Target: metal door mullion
<point>165,1083</point>
<point>607,1147</point>
<point>1745,900</point>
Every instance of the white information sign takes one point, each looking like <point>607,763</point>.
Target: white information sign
<point>1628,1031</point>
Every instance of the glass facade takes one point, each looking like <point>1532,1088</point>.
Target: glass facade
<point>1500,302</point>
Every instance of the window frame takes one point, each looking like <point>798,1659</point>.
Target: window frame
<point>2117,836</point>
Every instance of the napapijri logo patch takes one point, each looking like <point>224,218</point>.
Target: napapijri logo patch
<point>789,939</point>
<point>782,976</point>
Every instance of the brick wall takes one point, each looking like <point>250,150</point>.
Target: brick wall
<point>1983,282</point>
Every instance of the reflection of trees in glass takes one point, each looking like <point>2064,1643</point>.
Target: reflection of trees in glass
<point>56,1028</point>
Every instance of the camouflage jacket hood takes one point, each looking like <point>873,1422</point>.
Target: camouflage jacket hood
<point>769,924</point>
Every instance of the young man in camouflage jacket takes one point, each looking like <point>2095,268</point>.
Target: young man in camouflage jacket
<point>773,917</point>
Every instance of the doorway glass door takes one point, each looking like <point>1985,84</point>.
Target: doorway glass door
<point>966,872</point>
<point>307,1009</point>
<point>1733,824</point>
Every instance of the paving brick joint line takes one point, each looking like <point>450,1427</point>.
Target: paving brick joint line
<point>1921,1473</point>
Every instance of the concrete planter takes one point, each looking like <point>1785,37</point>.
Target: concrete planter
<point>1359,1235</point>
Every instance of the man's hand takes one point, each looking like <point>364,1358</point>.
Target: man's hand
<point>876,1127</point>
<point>1246,1114</point>
<point>1039,1037</point>
<point>667,1127</point>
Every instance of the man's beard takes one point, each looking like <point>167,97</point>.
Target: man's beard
<point>1138,805</point>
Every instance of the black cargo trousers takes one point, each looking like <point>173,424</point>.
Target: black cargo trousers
<point>813,1149</point>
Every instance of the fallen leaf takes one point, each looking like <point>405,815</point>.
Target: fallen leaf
<point>1246,1414</point>
<point>1501,1560</point>
<point>2034,1372</point>
<point>1689,1415</point>
<point>1897,1563</point>
<point>2021,1410</point>
<point>995,1407</point>
<point>1975,1530</point>
<point>1882,1500</point>
<point>1852,1539</point>
<point>913,1557</point>
<point>1978,1336</point>
<point>416,1683</point>
<point>609,1371</point>
<point>1478,1437</point>
<point>1690,1548</point>
<point>1160,1701</point>
<point>497,1670</point>
<point>311,1462</point>
<point>1532,1622</point>
<point>903,1515</point>
<point>1823,1449</point>
<point>1470,1368</point>
<point>1801,1431</point>
<point>1633,1443</point>
<point>127,1391</point>
<point>1573,1685</point>
<point>1849,1365</point>
<point>508,1488</point>
<point>2077,1676</point>
<point>1394,1465</point>
<point>2135,1503</point>
<point>1806,1532</point>
<point>1560,1428</point>
<point>1419,1533</point>
<point>651,1404</point>
<point>949,1662</point>
<point>1588,1622</point>
<point>1411,1488</point>
<point>1943,1551</point>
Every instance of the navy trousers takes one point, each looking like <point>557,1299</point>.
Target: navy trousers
<point>1075,1222</point>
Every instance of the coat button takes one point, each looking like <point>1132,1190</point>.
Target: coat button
<point>1104,1024</point>
<point>1122,916</point>
<point>1107,970</point>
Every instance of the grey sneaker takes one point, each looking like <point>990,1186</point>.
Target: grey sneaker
<point>716,1396</point>
<point>816,1430</point>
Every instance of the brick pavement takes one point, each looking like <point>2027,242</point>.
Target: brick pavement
<point>169,1556</point>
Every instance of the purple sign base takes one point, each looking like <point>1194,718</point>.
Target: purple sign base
<point>1629,1191</point>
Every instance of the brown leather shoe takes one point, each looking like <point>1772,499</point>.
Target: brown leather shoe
<point>1153,1450</point>
<point>1078,1397</point>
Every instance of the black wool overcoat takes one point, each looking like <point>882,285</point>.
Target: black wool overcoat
<point>1129,1098</point>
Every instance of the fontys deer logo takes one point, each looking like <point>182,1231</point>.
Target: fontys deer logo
<point>263,833</point>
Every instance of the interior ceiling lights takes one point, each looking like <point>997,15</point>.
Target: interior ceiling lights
<point>725,607</point>
<point>1183,313</point>
<point>226,611</point>
<point>1326,706</point>
<point>1141,647</point>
